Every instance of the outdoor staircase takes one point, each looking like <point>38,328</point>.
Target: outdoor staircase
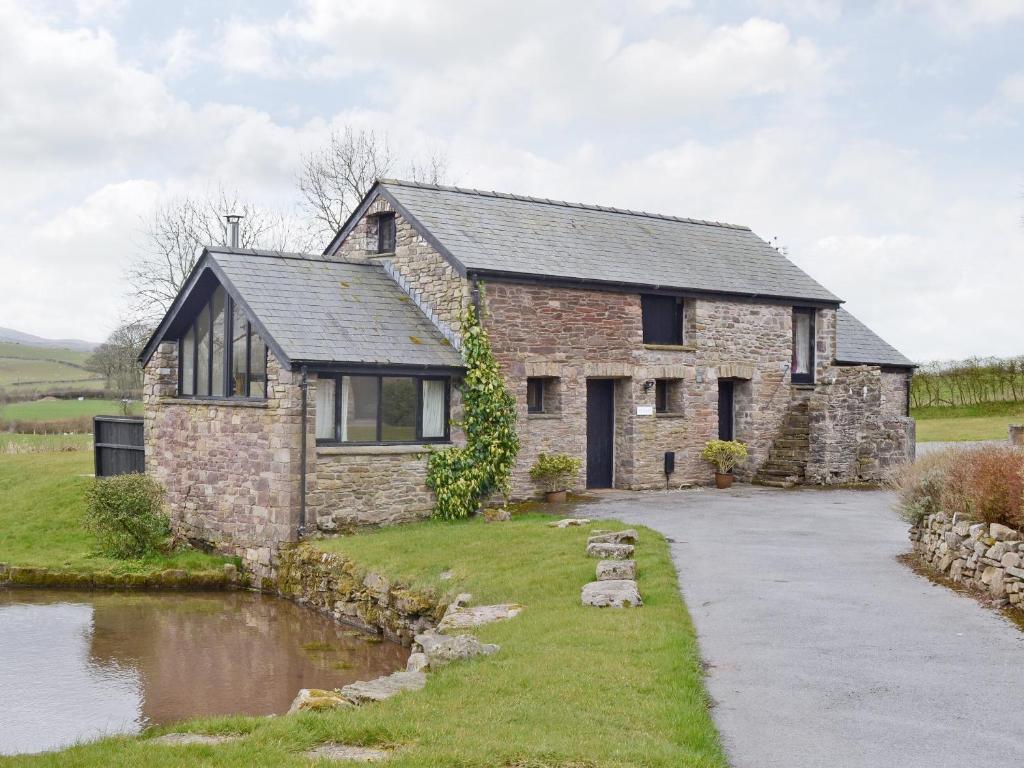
<point>787,460</point>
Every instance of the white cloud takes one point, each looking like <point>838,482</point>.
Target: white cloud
<point>959,17</point>
<point>817,10</point>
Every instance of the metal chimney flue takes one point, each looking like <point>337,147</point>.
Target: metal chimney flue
<point>233,221</point>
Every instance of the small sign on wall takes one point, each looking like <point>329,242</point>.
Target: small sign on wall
<point>645,410</point>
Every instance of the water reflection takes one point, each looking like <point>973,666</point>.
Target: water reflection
<point>77,665</point>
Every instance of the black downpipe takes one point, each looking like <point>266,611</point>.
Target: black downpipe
<point>302,458</point>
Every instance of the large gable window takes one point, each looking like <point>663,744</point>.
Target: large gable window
<point>220,354</point>
<point>803,345</point>
<point>382,409</point>
<point>662,319</point>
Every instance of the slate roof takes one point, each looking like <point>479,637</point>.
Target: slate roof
<point>320,311</point>
<point>858,344</point>
<point>490,232</point>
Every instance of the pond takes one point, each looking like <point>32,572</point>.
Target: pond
<point>75,666</point>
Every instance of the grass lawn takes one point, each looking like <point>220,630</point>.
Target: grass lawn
<point>60,410</point>
<point>571,687</point>
<point>15,442</point>
<point>42,499</point>
<point>986,421</point>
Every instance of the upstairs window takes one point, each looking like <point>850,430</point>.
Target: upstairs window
<point>386,233</point>
<point>382,409</point>
<point>220,355</point>
<point>803,345</point>
<point>662,319</point>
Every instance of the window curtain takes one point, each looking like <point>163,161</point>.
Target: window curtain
<point>433,408</point>
<point>345,389</point>
<point>325,409</point>
<point>801,343</point>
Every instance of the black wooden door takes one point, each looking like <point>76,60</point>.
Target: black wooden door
<point>600,432</point>
<point>725,409</point>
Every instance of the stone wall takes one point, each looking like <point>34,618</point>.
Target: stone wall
<point>426,276</point>
<point>988,558</point>
<point>854,436</point>
<point>894,392</point>
<point>333,585</point>
<point>230,467</point>
<point>570,335</point>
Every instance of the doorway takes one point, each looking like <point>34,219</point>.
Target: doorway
<point>600,432</point>
<point>726,409</point>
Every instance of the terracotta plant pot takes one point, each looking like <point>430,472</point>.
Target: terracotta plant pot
<point>554,497</point>
<point>723,480</point>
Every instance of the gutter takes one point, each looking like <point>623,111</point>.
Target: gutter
<point>304,386</point>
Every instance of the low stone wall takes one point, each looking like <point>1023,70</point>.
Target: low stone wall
<point>988,558</point>
<point>24,576</point>
<point>335,586</point>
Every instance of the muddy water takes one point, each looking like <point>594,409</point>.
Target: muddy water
<point>79,665</point>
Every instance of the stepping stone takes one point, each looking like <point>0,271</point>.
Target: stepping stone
<point>383,687</point>
<point>628,536</point>
<point>184,739</point>
<point>418,662</point>
<point>569,522</point>
<point>616,570</point>
<point>443,649</point>
<point>611,594</point>
<point>348,752</point>
<point>462,618</point>
<point>610,551</point>
<point>317,700</point>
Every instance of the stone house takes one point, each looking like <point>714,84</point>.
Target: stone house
<point>289,391</point>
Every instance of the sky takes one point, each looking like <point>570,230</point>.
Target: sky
<point>879,143</point>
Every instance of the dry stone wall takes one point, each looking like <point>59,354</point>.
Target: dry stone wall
<point>986,558</point>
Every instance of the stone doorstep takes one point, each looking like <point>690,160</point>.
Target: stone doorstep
<point>332,751</point>
<point>621,593</point>
<point>185,739</point>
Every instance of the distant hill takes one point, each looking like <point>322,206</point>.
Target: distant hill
<point>30,340</point>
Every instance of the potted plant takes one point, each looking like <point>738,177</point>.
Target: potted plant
<point>555,472</point>
<point>724,455</point>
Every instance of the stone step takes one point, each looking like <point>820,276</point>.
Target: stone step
<point>799,443</point>
<point>775,483</point>
<point>781,472</point>
<point>788,455</point>
<point>798,420</point>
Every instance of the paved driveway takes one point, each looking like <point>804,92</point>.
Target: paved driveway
<point>822,649</point>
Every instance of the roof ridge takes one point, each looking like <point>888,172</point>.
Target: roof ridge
<point>288,256</point>
<point>560,203</point>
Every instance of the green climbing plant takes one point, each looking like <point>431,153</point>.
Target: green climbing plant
<point>463,476</point>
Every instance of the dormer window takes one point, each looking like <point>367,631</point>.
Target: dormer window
<point>386,233</point>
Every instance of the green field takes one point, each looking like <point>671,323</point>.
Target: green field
<point>41,369</point>
<point>42,500</point>
<point>985,421</point>
<point>571,686</point>
<point>61,410</point>
<point>14,442</point>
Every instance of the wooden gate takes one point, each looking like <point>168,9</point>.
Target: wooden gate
<point>118,445</point>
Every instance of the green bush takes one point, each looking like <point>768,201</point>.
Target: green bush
<point>724,455</point>
<point>555,471</point>
<point>125,514</point>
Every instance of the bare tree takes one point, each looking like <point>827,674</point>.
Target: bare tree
<point>117,358</point>
<point>177,231</point>
<point>335,178</point>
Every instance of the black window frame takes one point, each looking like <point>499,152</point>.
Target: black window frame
<point>653,309</point>
<point>812,341</point>
<point>661,396</point>
<point>336,377</point>
<point>535,383</point>
<point>386,223</point>
<point>229,379</point>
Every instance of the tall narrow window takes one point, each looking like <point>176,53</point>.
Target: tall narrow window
<point>661,396</point>
<point>239,352</point>
<point>257,366</point>
<point>325,417</point>
<point>203,351</point>
<point>434,407</point>
<point>662,319</point>
<point>218,350</point>
<point>803,345</point>
<point>386,233</point>
<point>534,395</point>
<point>187,352</point>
